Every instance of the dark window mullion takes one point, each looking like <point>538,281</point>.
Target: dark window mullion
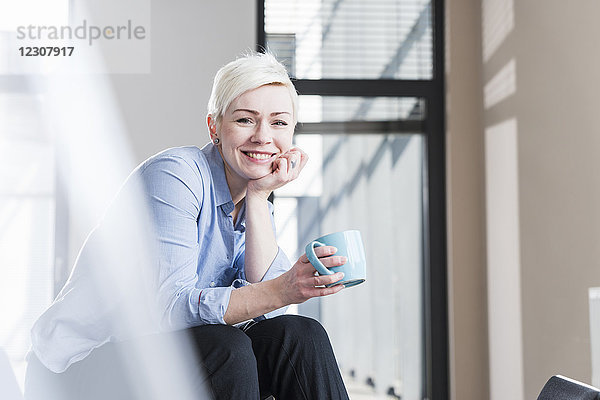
<point>437,251</point>
<point>361,127</point>
<point>261,35</point>
<point>366,88</point>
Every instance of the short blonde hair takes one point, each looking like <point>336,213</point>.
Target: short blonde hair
<point>248,72</point>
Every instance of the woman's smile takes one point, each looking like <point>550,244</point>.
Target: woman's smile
<point>259,156</point>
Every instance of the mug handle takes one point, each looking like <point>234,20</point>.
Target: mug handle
<point>314,260</point>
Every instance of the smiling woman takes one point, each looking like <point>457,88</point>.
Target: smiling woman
<point>255,131</point>
<point>218,276</point>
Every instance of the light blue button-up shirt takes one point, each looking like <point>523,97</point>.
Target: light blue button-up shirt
<point>201,250</point>
<point>199,259</point>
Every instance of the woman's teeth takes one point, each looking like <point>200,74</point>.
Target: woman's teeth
<point>259,156</point>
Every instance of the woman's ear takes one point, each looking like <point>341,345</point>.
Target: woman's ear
<point>212,126</point>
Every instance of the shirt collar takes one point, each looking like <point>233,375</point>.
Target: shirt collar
<point>217,169</point>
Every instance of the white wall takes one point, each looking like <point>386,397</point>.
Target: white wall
<point>190,41</point>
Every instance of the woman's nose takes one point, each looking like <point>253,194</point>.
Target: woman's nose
<point>262,134</point>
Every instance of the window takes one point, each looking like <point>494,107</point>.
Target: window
<point>27,183</point>
<point>369,74</point>
<point>354,39</point>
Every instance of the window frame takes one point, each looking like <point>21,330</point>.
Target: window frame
<point>435,292</point>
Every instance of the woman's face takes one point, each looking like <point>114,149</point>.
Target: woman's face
<point>256,129</point>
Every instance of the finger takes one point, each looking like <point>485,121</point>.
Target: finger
<point>334,261</point>
<point>322,251</point>
<point>323,280</point>
<point>326,291</point>
<point>298,152</point>
<point>298,160</point>
<point>282,167</point>
<point>294,150</point>
<point>303,160</point>
<point>295,171</point>
<point>294,160</point>
<point>291,165</point>
<point>292,153</point>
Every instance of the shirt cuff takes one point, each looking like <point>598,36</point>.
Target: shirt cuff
<point>213,302</point>
<point>273,314</point>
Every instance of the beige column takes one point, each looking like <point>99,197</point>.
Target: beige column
<point>466,228</point>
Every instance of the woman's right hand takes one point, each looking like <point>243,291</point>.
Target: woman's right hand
<point>300,283</point>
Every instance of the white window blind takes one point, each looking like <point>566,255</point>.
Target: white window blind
<point>352,39</point>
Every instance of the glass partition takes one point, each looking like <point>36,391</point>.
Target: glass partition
<point>370,73</point>
<point>373,182</point>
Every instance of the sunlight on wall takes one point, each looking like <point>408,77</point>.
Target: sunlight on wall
<point>504,263</point>
<point>501,86</point>
<point>498,22</point>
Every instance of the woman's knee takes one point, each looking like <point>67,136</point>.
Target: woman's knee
<point>298,324</point>
<point>296,328</point>
<point>221,346</point>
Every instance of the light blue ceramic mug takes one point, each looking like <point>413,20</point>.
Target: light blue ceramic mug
<point>350,245</point>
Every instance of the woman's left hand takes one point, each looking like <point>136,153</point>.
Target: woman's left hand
<point>286,168</point>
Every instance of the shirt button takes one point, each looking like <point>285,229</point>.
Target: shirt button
<point>212,284</point>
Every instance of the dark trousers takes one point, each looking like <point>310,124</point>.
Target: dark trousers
<point>289,357</point>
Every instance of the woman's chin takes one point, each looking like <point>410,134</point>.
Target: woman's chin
<point>259,171</point>
<point>254,175</point>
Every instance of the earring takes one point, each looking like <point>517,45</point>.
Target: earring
<point>216,141</point>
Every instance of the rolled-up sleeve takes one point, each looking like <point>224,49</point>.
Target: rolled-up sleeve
<point>214,302</point>
<point>279,265</point>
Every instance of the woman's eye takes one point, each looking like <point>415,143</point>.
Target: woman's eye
<point>243,120</point>
<point>280,123</point>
